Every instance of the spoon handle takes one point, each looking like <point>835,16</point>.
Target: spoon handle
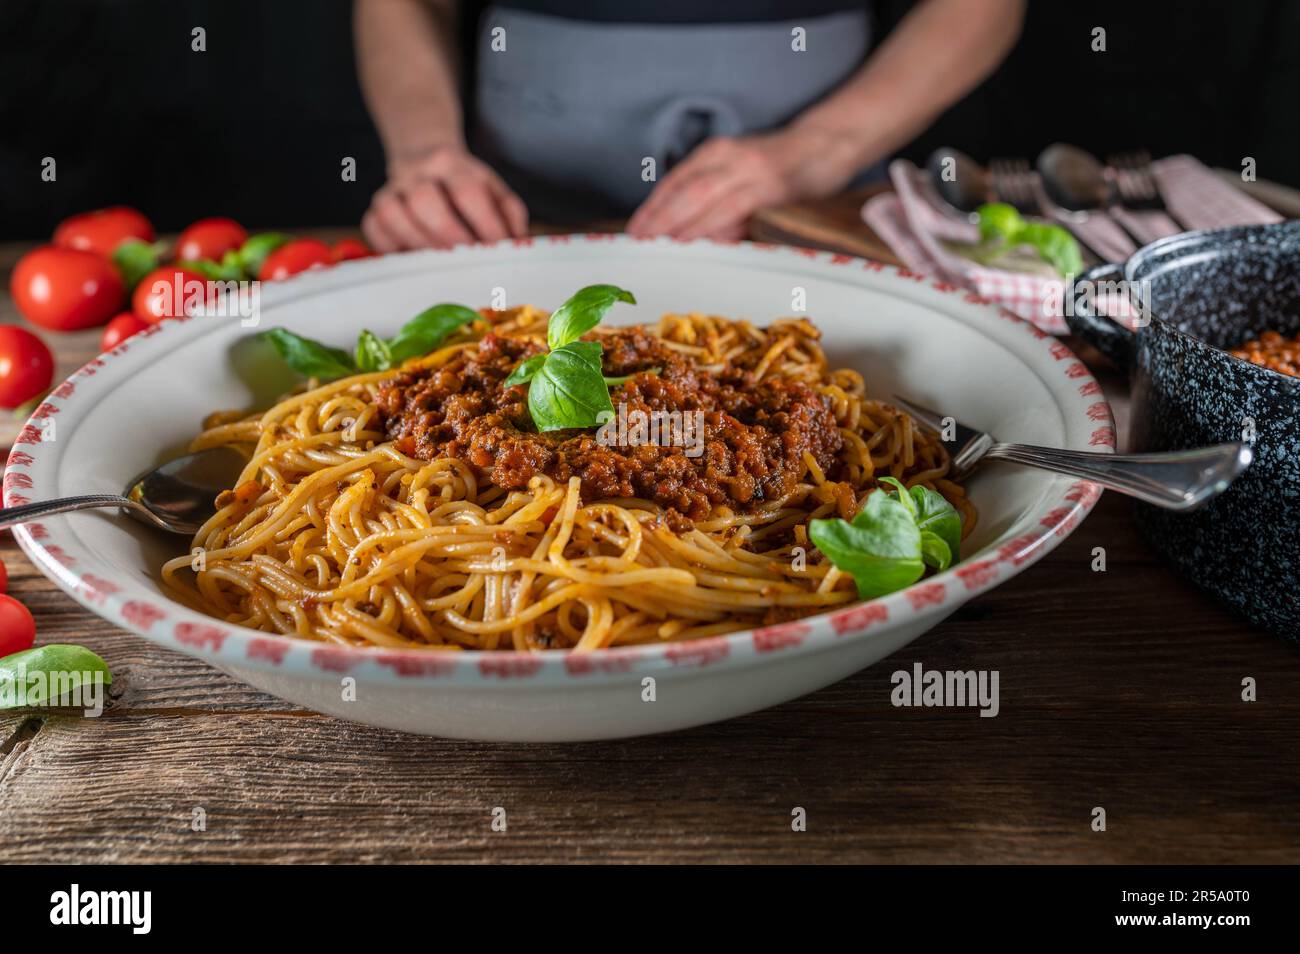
<point>27,512</point>
<point>1175,480</point>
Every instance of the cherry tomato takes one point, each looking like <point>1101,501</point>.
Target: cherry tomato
<point>347,249</point>
<point>168,292</point>
<point>26,366</point>
<point>4,577</point>
<point>102,230</point>
<point>64,289</point>
<point>119,329</point>
<point>210,239</point>
<point>17,628</point>
<point>294,257</point>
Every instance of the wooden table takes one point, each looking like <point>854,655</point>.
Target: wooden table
<point>1119,689</point>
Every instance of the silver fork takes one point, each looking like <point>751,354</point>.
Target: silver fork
<point>1135,181</point>
<point>1013,183</point>
<point>1175,480</point>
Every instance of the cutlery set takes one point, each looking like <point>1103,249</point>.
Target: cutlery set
<point>1066,184</point>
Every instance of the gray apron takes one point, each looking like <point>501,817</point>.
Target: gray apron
<point>570,110</point>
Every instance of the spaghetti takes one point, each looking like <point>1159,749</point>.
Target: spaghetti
<point>413,509</point>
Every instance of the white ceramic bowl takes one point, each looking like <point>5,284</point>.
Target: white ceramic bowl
<point>132,408</point>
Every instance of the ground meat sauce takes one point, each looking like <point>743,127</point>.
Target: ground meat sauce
<point>755,434</point>
<point>1273,350</point>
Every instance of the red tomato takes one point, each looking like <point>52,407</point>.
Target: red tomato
<point>102,230</point>
<point>4,577</point>
<point>347,249</point>
<point>17,628</point>
<point>294,257</point>
<point>26,366</point>
<point>168,292</point>
<point>119,329</point>
<point>66,290</point>
<point>210,239</point>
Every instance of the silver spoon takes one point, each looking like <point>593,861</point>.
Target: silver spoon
<point>1175,480</point>
<point>1077,182</point>
<point>958,180</point>
<point>179,496</point>
<point>1075,179</point>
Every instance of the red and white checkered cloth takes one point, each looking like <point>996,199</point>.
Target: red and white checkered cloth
<point>914,225</point>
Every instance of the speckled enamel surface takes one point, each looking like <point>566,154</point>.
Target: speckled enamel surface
<point>1208,291</point>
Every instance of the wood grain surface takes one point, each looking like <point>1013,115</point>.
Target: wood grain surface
<point>834,225</point>
<point>1119,689</point>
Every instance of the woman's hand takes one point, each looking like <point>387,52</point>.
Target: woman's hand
<point>443,199</point>
<point>715,189</point>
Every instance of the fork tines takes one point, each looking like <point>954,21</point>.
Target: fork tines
<point>1014,183</point>
<point>1135,180</point>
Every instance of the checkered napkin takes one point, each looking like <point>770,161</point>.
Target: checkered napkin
<point>914,224</point>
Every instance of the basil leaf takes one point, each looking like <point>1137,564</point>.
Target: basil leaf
<point>252,254</point>
<point>999,220</point>
<point>310,358</point>
<point>135,259</point>
<point>524,373</point>
<point>934,551</point>
<point>213,271</point>
<point>880,549</point>
<point>568,390</point>
<point>1054,245</point>
<point>903,496</point>
<point>231,261</point>
<point>934,514</point>
<point>372,353</point>
<point>589,351</point>
<point>427,330</point>
<point>74,663</point>
<point>582,312</point>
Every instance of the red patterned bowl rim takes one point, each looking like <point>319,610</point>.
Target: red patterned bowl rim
<point>105,591</point>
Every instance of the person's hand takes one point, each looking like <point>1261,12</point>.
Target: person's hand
<point>446,198</point>
<point>715,189</point>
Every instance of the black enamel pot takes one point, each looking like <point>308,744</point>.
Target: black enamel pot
<point>1204,292</point>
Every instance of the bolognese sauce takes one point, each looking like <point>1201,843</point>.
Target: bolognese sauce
<point>1272,350</point>
<point>756,433</point>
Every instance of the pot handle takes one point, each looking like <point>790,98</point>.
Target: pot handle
<point>1111,339</point>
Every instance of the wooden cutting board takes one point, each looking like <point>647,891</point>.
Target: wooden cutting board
<point>833,224</point>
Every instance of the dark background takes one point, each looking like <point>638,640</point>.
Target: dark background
<point>257,126</point>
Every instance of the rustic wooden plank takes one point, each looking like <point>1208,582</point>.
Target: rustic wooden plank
<point>877,785</point>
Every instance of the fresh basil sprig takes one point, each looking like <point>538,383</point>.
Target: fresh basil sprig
<point>569,390</point>
<point>418,336</point>
<point>372,353</point>
<point>892,539</point>
<point>136,258</point>
<point>1054,245</point>
<point>583,312</point>
<point>308,357</point>
<point>566,386</point>
<point>226,270</point>
<point>253,253</point>
<point>74,663</point>
<point>525,371</point>
<point>427,330</point>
